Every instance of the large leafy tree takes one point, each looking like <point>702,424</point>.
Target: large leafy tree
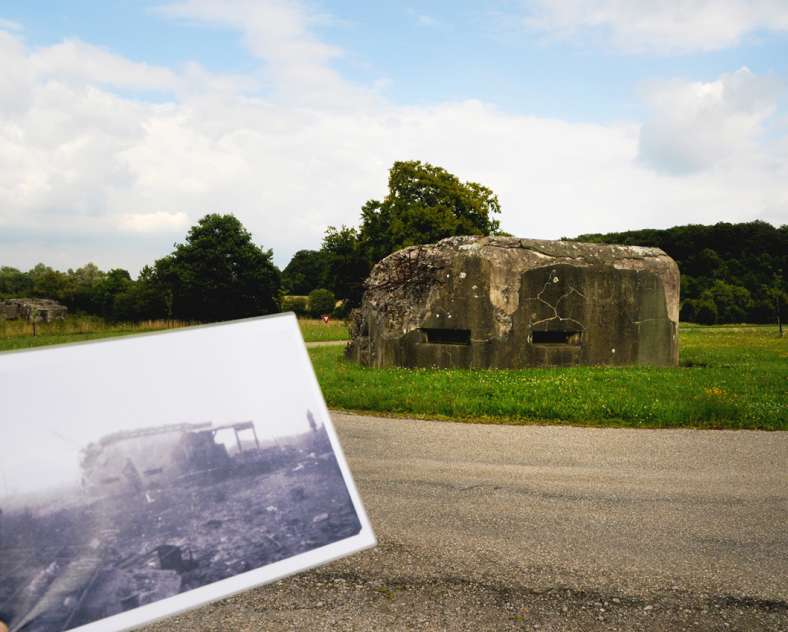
<point>115,283</point>
<point>81,289</point>
<point>218,273</point>
<point>425,204</point>
<point>46,282</point>
<point>143,299</point>
<point>14,283</point>
<point>305,272</point>
<point>346,264</point>
<point>321,301</point>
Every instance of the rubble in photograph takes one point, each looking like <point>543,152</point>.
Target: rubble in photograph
<point>163,510</point>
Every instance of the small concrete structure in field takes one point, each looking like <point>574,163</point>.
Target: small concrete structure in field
<point>504,302</point>
<point>40,310</point>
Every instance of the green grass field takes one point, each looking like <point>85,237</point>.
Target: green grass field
<point>315,330</point>
<point>731,377</point>
<point>18,334</point>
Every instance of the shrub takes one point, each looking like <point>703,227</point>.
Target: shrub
<point>321,302</point>
<point>296,304</point>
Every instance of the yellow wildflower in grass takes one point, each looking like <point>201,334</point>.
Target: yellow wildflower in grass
<point>714,391</point>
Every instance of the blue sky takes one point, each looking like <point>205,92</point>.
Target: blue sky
<point>124,122</point>
<point>439,51</point>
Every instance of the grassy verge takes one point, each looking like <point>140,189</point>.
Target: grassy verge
<point>315,330</point>
<point>17,334</point>
<point>731,377</point>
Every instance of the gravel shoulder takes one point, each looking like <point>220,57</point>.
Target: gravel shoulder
<point>487,527</point>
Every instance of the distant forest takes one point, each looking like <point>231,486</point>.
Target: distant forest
<point>730,273</point>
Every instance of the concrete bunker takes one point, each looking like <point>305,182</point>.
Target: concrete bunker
<point>41,310</point>
<point>148,458</point>
<point>504,302</point>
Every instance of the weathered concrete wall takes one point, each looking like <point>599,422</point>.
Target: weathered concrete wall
<point>42,309</point>
<point>150,458</point>
<point>8,310</point>
<point>506,302</point>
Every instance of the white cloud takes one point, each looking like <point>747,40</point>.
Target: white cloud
<point>655,26</point>
<point>153,222</point>
<point>697,125</point>
<point>79,63</point>
<point>278,32</point>
<point>76,61</point>
<point>90,174</point>
<point>274,30</point>
<point>15,81</point>
<point>422,19</point>
<point>10,25</point>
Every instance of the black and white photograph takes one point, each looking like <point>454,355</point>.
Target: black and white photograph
<point>145,476</point>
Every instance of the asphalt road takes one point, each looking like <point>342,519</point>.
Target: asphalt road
<point>487,527</point>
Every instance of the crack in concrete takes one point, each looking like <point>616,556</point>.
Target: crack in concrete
<point>556,315</point>
<point>648,320</point>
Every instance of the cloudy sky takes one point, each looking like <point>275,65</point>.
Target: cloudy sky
<point>122,123</point>
<point>259,371</point>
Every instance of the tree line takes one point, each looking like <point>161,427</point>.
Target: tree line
<point>729,272</point>
<point>218,273</point>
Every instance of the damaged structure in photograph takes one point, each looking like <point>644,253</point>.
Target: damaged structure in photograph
<point>163,510</point>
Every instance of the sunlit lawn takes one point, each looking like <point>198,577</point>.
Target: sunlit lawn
<point>17,334</point>
<point>731,377</point>
<point>315,330</point>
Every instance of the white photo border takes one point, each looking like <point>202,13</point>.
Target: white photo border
<point>222,589</point>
